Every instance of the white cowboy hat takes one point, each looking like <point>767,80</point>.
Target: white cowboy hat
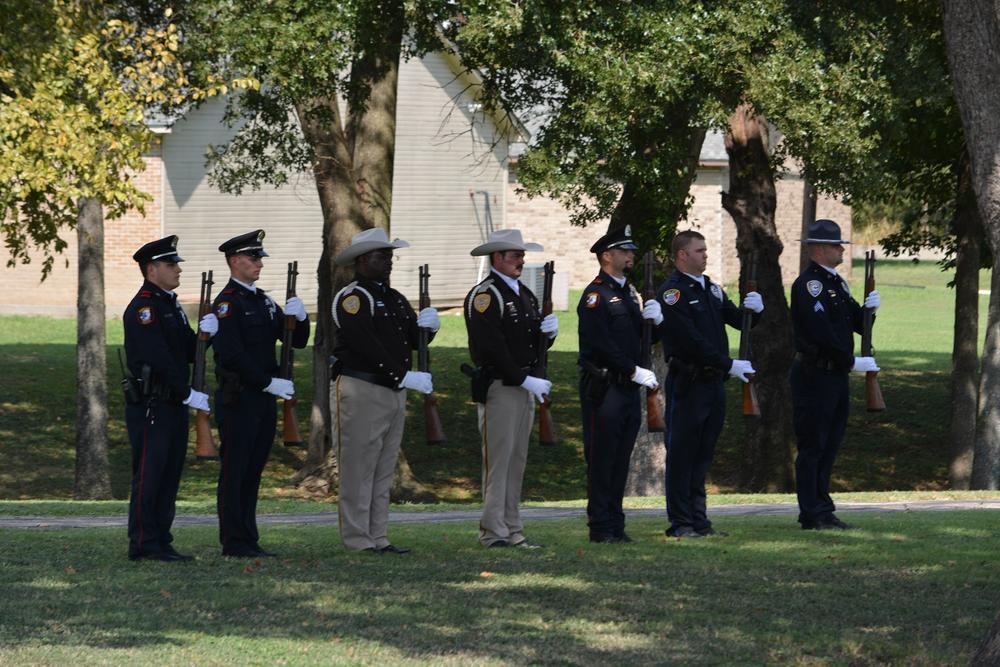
<point>368,240</point>
<point>505,239</point>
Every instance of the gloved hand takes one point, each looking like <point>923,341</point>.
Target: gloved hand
<point>754,302</point>
<point>281,388</point>
<point>644,376</point>
<point>417,381</point>
<point>873,300</point>
<point>294,306</point>
<point>209,324</point>
<point>550,325</point>
<point>537,386</point>
<point>864,365</point>
<point>740,369</point>
<point>428,319</point>
<point>653,311</point>
<point>197,400</point>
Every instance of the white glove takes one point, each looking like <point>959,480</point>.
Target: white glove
<point>754,302</point>
<point>294,306</point>
<point>537,386</point>
<point>864,365</point>
<point>653,311</point>
<point>417,381</point>
<point>644,376</point>
<point>197,400</point>
<point>281,388</point>
<point>873,300</point>
<point>740,369</point>
<point>209,324</point>
<point>550,325</point>
<point>428,319</point>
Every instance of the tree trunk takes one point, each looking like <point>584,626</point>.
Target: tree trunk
<point>988,654</point>
<point>965,352</point>
<point>768,444</point>
<point>808,218</point>
<point>93,480</point>
<point>972,36</point>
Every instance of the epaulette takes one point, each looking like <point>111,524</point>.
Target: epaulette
<point>229,290</point>
<point>597,281</point>
<point>145,294</point>
<point>485,285</point>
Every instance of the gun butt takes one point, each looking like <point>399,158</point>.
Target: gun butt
<point>205,449</point>
<point>873,392</point>
<point>751,407</point>
<point>546,426</point>
<point>290,434</point>
<point>654,412</point>
<point>432,421</point>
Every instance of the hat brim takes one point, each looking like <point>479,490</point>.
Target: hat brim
<point>347,256</point>
<point>827,241</point>
<point>503,246</point>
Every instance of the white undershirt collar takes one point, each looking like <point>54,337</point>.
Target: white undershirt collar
<point>512,283</point>
<point>249,287</point>
<point>699,279</point>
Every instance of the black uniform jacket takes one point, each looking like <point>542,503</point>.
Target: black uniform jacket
<point>157,334</point>
<point>503,329</point>
<point>825,317</point>
<point>250,324</point>
<point>376,330</point>
<point>610,325</point>
<point>694,320</point>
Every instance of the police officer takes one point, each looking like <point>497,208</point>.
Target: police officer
<point>610,330</point>
<point>377,332</point>
<point>504,325</point>
<point>695,312</point>
<point>824,317</point>
<point>250,323</point>
<point>160,345</point>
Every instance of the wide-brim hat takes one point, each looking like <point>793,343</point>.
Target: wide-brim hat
<point>251,244</point>
<point>163,250</point>
<point>620,238</point>
<point>368,240</point>
<point>824,231</point>
<point>505,239</point>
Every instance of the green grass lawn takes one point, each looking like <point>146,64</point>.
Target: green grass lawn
<point>905,447</point>
<point>904,588</point>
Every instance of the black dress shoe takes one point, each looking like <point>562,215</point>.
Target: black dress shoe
<point>164,556</point>
<point>498,544</point>
<point>240,552</point>
<point>624,538</point>
<point>264,554</point>
<point>605,538</point>
<point>393,549</point>
<point>712,532</point>
<point>837,523</point>
<point>817,525</point>
<point>683,531</point>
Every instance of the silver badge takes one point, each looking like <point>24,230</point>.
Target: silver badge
<point>814,287</point>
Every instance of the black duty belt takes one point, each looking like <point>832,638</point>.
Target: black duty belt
<point>815,362</point>
<point>380,380</point>
<point>695,373</point>
<point>606,374</point>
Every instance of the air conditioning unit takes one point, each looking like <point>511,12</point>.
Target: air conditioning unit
<point>533,275</point>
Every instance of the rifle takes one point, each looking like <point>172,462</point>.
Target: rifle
<point>546,427</point>
<point>432,420</point>
<point>751,408</point>
<point>873,392</point>
<point>205,449</point>
<point>655,408</point>
<point>290,422</point>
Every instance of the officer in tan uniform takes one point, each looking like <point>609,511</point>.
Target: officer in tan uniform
<point>504,325</point>
<point>377,332</point>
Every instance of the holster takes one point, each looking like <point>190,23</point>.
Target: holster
<point>229,387</point>
<point>594,382</point>
<point>480,381</point>
<point>681,375</point>
<point>132,391</point>
<point>335,367</point>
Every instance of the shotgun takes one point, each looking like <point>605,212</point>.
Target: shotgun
<point>873,392</point>
<point>205,449</point>
<point>546,427</point>
<point>655,409</point>
<point>751,408</point>
<point>290,422</point>
<point>432,420</point>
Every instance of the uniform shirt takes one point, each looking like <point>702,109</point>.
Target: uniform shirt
<point>694,319</point>
<point>157,333</point>
<point>610,325</point>
<point>250,324</point>
<point>376,330</point>
<point>503,328</point>
<point>825,317</point>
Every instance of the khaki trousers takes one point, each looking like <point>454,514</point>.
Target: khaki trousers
<point>505,423</point>
<point>367,431</point>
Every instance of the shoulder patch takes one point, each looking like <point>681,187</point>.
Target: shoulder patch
<point>814,287</point>
<point>351,304</point>
<point>145,315</point>
<point>223,309</point>
<point>592,299</point>
<point>481,302</point>
<point>671,296</point>
<point>716,291</point>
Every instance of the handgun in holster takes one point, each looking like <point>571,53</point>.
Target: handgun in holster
<point>594,382</point>
<point>229,387</point>
<point>480,381</point>
<point>130,386</point>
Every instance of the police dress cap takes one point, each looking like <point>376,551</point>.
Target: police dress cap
<point>368,240</point>
<point>620,238</point>
<point>164,250</point>
<point>501,240</point>
<point>824,231</point>
<point>251,243</point>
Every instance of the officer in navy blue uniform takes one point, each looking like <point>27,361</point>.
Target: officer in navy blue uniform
<point>693,331</point>
<point>824,317</point>
<point>610,329</point>
<point>159,344</point>
<point>246,366</point>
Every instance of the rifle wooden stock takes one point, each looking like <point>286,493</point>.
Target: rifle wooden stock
<point>655,406</point>
<point>546,425</point>
<point>433,430</point>
<point>290,433</point>
<point>751,407</point>
<point>205,449</point>
<point>873,392</point>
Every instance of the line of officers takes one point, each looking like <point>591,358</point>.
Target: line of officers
<point>377,332</point>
